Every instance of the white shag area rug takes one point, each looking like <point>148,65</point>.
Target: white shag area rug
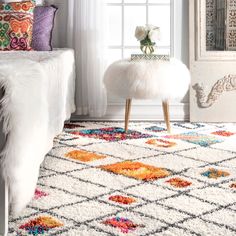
<point>99,181</point>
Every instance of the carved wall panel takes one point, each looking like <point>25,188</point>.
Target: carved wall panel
<point>231,25</point>
<point>221,25</point>
<point>210,24</point>
<point>227,84</point>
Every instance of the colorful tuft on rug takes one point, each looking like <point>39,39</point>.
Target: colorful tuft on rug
<point>99,181</point>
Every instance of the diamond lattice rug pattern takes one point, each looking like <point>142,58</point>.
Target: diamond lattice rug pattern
<point>99,181</point>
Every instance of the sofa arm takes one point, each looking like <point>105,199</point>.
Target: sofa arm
<point>3,208</point>
<point>3,186</point>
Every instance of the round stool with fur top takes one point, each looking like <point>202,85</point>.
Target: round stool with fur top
<point>148,79</point>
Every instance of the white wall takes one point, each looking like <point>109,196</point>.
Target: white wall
<point>180,39</point>
<point>181,32</point>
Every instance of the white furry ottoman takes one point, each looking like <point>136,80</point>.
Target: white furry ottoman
<point>145,79</point>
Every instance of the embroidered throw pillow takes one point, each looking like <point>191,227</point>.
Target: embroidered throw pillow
<point>16,23</point>
<point>38,2</point>
<point>42,27</point>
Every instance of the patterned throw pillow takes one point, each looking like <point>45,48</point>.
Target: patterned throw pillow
<point>16,23</point>
<point>38,2</point>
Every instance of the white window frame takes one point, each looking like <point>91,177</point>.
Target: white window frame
<point>122,4</point>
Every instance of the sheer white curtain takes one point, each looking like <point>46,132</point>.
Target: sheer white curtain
<point>86,34</point>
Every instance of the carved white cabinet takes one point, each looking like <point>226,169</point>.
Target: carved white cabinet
<point>213,87</point>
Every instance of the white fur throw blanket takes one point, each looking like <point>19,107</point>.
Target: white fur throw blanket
<point>38,98</point>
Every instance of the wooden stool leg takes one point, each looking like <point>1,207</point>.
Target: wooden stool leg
<point>127,113</point>
<point>165,106</point>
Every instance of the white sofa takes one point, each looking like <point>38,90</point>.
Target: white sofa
<point>58,77</point>
<point>3,193</point>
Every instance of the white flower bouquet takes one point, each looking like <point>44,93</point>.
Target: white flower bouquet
<point>148,36</point>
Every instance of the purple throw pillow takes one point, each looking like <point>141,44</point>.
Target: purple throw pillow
<point>42,27</point>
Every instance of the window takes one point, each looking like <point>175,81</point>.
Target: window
<point>125,15</point>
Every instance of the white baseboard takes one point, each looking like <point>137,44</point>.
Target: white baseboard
<point>115,111</point>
